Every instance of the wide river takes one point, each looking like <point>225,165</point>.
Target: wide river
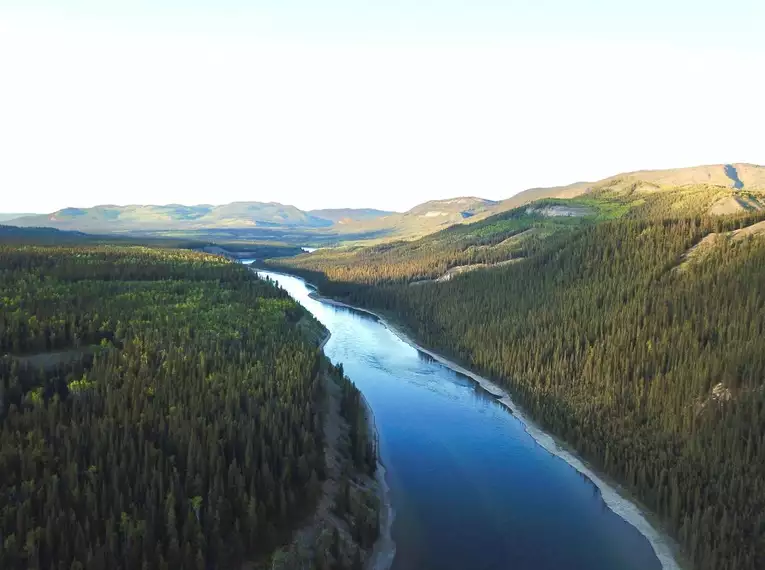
<point>471,490</point>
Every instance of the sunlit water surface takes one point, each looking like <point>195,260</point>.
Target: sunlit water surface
<point>470,488</point>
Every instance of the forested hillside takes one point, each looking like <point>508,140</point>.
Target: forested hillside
<point>647,356</point>
<point>522,231</point>
<point>158,409</point>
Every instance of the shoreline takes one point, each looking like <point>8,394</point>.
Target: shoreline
<point>384,550</point>
<point>664,547</point>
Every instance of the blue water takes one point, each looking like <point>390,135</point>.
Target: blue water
<point>470,488</point>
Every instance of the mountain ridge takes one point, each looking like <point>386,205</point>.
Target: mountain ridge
<point>374,224</point>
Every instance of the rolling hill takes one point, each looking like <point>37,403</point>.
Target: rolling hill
<point>716,189</point>
<point>633,336</point>
<point>346,215</point>
<point>626,319</point>
<point>740,175</point>
<point>421,220</point>
<point>111,218</point>
<point>497,234</point>
<point>12,216</point>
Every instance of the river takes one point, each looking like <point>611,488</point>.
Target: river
<point>471,489</point>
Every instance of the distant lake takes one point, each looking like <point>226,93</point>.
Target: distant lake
<point>470,488</point>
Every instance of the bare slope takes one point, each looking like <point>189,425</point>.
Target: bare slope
<point>752,176</point>
<point>728,188</point>
<point>699,252</point>
<point>533,194</point>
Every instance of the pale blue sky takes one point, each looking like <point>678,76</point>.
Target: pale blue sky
<point>365,103</point>
<point>703,24</point>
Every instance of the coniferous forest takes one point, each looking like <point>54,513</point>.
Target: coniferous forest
<point>158,409</point>
<point>640,342</point>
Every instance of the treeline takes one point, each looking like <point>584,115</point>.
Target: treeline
<point>355,502</point>
<point>649,362</point>
<point>15,236</point>
<point>363,447</point>
<point>506,237</point>
<point>515,234</point>
<point>344,535</point>
<point>158,409</point>
<point>259,250</point>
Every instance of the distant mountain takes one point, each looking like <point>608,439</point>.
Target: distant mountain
<point>729,188</point>
<point>532,194</point>
<point>110,218</point>
<point>345,215</point>
<point>6,217</point>
<point>461,208</point>
<point>423,219</point>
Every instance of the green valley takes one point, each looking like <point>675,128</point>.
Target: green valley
<point>628,321</point>
<point>271,221</point>
<point>171,410</point>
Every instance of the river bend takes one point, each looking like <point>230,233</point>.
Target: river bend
<point>469,487</point>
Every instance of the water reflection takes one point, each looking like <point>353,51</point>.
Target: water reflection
<point>470,487</point>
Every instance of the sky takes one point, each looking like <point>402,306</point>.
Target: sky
<point>361,103</point>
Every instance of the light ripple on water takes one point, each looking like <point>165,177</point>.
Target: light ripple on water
<point>463,450</point>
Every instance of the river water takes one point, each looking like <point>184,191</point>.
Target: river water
<point>471,490</point>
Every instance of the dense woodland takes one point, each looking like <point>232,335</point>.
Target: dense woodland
<point>508,236</point>
<point>158,409</point>
<point>344,535</point>
<point>648,361</point>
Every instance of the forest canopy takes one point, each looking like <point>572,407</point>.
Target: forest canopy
<point>638,338</point>
<point>158,409</point>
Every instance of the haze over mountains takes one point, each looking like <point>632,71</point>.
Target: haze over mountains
<point>4,217</point>
<point>278,219</point>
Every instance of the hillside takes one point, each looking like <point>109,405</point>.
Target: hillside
<point>6,217</point>
<point>421,220</point>
<point>724,189</point>
<point>346,215</point>
<point>739,175</point>
<point>174,216</point>
<point>533,194</point>
<point>13,234</point>
<point>631,330</point>
<point>462,208</point>
<point>274,218</point>
<point>521,232</point>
